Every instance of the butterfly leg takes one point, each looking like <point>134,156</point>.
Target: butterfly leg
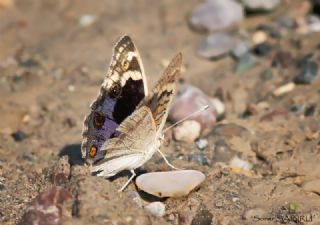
<point>164,157</point>
<point>167,162</point>
<point>128,182</point>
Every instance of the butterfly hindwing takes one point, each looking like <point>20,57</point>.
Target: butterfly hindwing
<point>137,134</point>
<point>159,101</point>
<point>122,90</point>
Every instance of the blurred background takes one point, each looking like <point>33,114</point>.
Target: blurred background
<point>255,61</point>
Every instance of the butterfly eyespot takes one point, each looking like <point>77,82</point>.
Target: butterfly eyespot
<point>98,120</point>
<point>125,65</point>
<point>115,90</point>
<point>93,151</point>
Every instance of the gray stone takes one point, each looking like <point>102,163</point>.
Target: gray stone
<point>199,158</point>
<point>260,5</point>
<point>308,73</point>
<point>216,45</point>
<point>202,143</point>
<point>245,63</point>
<point>214,15</point>
<point>240,49</point>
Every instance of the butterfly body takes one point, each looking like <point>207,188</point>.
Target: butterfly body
<point>124,127</point>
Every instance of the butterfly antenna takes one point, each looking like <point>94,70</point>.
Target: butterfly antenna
<point>187,117</point>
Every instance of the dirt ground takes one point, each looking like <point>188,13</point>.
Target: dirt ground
<point>51,69</point>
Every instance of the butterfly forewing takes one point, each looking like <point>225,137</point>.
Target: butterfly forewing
<point>122,90</point>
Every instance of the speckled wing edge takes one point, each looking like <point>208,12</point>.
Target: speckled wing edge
<point>159,101</point>
<point>113,75</point>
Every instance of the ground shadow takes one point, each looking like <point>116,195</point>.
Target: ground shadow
<point>73,151</point>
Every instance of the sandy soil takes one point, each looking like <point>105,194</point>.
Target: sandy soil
<point>51,69</point>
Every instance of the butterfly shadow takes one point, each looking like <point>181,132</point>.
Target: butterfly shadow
<point>73,151</point>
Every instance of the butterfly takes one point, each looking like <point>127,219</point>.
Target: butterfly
<point>124,127</point>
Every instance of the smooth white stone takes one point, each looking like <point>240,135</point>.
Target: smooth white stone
<point>171,183</point>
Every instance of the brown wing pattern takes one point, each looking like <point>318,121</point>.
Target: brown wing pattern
<point>160,99</point>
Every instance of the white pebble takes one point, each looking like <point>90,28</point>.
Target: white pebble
<point>259,37</point>
<point>240,163</point>
<point>157,209</point>
<point>286,88</point>
<point>187,131</point>
<point>202,143</point>
<point>71,88</point>
<point>171,183</point>
<point>87,20</point>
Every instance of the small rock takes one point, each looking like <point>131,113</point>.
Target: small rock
<point>240,49</point>
<point>272,30</point>
<point>213,15</point>
<point>190,99</point>
<point>216,45</point>
<point>296,108</point>
<point>245,63</point>
<point>258,5</point>
<point>19,135</point>
<point>314,23</point>
<point>2,187</point>
<point>284,89</point>
<point>276,113</point>
<point>254,214</point>
<point>26,118</point>
<point>71,88</point>
<point>46,208</point>
<point>202,143</point>
<point>310,110</point>
<point>262,49</point>
<point>27,157</point>
<point>312,186</point>
<point>158,209</point>
<point>219,106</point>
<point>188,131</point>
<point>240,163</point>
<point>171,183</point>
<point>282,59</point>
<point>222,152</point>
<point>87,20</point>
<point>308,73</point>
<point>219,204</point>
<point>200,158</point>
<point>259,37</point>
<point>251,110</point>
<point>230,130</point>
<point>285,21</point>
<point>266,74</point>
